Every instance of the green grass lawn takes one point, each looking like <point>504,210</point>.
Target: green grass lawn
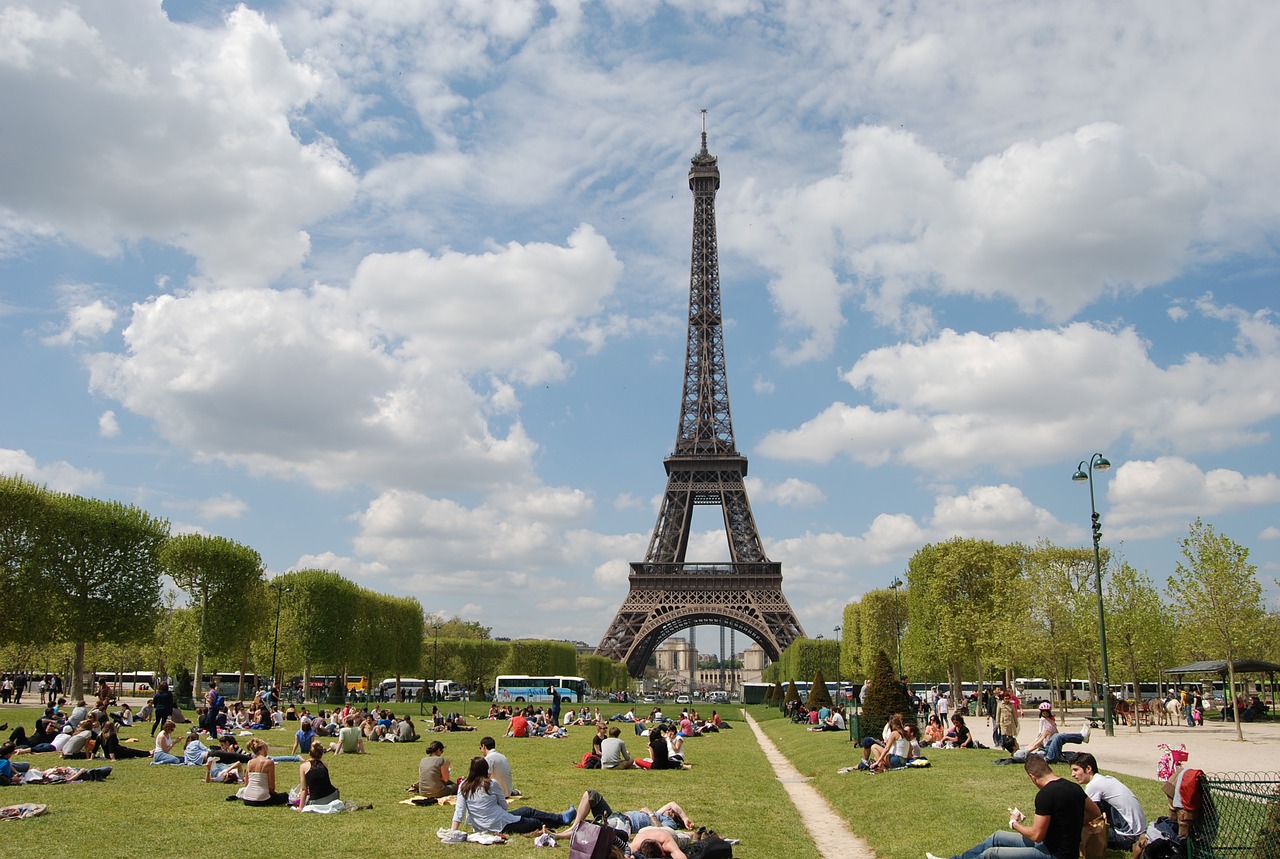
<point>169,809</point>
<point>950,806</point>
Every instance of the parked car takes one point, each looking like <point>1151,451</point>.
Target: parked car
<point>683,699</point>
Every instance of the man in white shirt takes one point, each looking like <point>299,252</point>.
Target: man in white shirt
<point>499,766</point>
<point>1125,818</point>
<point>614,754</point>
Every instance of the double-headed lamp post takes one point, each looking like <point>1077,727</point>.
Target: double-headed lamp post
<point>897,622</point>
<point>1098,462</point>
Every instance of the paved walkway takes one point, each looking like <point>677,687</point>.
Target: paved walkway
<point>830,833</point>
<point>1212,747</point>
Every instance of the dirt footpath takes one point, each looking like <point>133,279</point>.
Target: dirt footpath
<point>829,831</point>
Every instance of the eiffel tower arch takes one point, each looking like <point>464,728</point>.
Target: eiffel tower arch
<point>668,593</point>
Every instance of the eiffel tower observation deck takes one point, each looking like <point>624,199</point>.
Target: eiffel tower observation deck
<point>667,592</point>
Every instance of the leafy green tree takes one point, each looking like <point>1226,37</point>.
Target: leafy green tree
<point>885,696</point>
<point>596,670</point>
<point>456,627</point>
<point>535,656</point>
<point>851,664</point>
<point>223,573</point>
<point>479,661</point>
<point>1218,600</point>
<point>1062,609</point>
<point>880,617</point>
<point>793,693</point>
<point>24,511</point>
<point>102,569</point>
<point>318,621</point>
<point>971,592</point>
<point>1137,625</point>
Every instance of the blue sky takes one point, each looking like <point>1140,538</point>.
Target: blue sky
<point>398,289</point>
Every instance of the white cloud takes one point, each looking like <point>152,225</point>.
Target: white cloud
<point>1271,532</point>
<point>108,426</point>
<point>224,506</point>
<point>762,385</point>
<point>405,379</point>
<point>960,402</point>
<point>1156,497</point>
<point>58,476</point>
<point>87,322</point>
<point>166,132</point>
<point>791,492</point>
<point>1051,225</point>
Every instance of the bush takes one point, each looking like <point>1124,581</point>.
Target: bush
<point>885,696</point>
<point>819,696</point>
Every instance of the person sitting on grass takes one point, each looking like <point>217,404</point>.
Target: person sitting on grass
<point>1126,820</point>
<point>1061,808</point>
<point>313,776</point>
<point>111,747</point>
<point>483,803</point>
<point>260,786</point>
<point>894,725</point>
<point>350,741</point>
<point>434,778</point>
<point>659,754</point>
<point>613,752</point>
<point>163,752</point>
<point>895,752</point>
<point>933,732</point>
<point>959,737</point>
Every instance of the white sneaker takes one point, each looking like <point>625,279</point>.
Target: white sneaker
<point>1084,732</point>
<point>931,856</point>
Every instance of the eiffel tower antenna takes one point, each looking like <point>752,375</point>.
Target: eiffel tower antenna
<point>667,593</point>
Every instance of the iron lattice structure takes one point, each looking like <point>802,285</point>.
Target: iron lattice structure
<point>668,594</point>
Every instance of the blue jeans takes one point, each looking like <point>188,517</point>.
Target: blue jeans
<point>1007,845</point>
<point>1053,748</point>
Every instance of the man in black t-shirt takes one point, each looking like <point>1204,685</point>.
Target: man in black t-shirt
<point>1054,832</point>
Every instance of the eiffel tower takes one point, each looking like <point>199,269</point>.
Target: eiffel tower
<point>668,593</point>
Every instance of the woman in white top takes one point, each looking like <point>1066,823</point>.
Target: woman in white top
<point>261,786</point>
<point>165,742</point>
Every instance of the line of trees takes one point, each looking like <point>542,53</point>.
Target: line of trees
<point>978,610</point>
<point>84,580</point>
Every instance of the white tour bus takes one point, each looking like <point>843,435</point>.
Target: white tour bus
<point>520,688</point>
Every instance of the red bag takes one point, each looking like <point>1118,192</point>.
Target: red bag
<point>591,841</point>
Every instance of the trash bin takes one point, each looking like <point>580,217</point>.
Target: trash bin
<point>973,708</point>
<point>854,721</point>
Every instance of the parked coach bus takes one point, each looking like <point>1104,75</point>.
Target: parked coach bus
<point>519,688</point>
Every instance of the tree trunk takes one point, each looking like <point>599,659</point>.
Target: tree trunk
<point>1235,703</point>
<point>77,673</point>
<point>1137,696</point>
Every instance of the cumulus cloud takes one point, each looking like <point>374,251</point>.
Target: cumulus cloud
<point>58,476</point>
<point>87,322</point>
<point>108,426</point>
<point>791,492</point>
<point>403,379</point>
<point>959,402</point>
<point>166,132</point>
<point>1050,225</point>
<point>1271,532</point>
<point>224,506</point>
<point>1151,498</point>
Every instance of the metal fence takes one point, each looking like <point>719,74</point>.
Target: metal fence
<point>1240,818</point>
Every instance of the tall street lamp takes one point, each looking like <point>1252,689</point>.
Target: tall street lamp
<point>897,621</point>
<point>1098,462</point>
<point>280,590</point>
